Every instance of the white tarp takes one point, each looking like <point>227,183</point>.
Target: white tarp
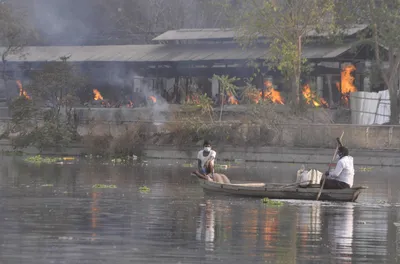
<point>368,108</point>
<point>383,113</point>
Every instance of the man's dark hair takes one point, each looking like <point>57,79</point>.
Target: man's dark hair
<point>206,142</point>
<point>343,151</point>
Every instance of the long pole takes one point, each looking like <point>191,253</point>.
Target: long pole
<point>333,158</point>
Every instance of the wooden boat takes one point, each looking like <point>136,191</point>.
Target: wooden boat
<point>282,191</point>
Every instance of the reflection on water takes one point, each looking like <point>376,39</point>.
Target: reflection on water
<point>70,222</point>
<point>206,225</point>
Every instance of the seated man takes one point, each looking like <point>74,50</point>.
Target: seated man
<point>204,157</point>
<point>342,176</point>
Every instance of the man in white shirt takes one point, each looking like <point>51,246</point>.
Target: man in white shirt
<point>342,176</point>
<point>206,158</point>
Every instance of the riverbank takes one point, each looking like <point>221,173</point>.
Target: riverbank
<point>363,157</point>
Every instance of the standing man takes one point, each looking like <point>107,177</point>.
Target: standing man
<point>205,159</point>
<point>342,177</point>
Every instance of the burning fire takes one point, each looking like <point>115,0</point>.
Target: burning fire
<point>312,98</point>
<point>153,99</point>
<point>272,94</point>
<point>22,92</point>
<point>232,100</point>
<point>97,95</point>
<point>346,85</point>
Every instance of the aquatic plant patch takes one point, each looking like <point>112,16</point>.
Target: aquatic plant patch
<point>104,186</point>
<point>144,189</point>
<point>38,159</point>
<point>272,202</point>
<point>365,169</point>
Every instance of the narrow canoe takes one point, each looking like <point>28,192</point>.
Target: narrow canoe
<point>283,191</point>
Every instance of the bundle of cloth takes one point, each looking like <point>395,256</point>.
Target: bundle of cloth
<point>308,177</point>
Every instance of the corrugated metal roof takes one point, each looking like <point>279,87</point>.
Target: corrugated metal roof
<point>229,33</point>
<point>192,34</point>
<point>163,53</point>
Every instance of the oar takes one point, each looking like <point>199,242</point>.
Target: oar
<point>339,141</point>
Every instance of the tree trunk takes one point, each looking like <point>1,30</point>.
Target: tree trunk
<point>298,70</point>
<point>4,76</point>
<point>222,105</point>
<point>394,101</point>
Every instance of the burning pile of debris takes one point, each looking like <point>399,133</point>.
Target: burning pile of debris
<point>346,84</point>
<point>136,100</point>
<point>22,92</point>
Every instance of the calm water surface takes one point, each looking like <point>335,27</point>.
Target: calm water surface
<point>51,214</point>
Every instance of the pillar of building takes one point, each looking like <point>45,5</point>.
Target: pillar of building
<point>214,86</point>
<point>366,79</point>
<point>320,86</point>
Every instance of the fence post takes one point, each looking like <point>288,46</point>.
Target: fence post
<point>367,137</point>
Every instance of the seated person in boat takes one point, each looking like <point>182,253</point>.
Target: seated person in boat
<point>342,176</point>
<point>206,158</point>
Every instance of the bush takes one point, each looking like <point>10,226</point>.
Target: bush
<point>97,145</point>
<point>129,143</point>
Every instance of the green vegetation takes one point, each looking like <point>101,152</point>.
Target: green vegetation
<point>288,24</point>
<point>104,186</point>
<point>227,85</point>
<point>365,169</point>
<point>272,202</point>
<point>55,87</point>
<point>144,189</point>
<point>38,159</point>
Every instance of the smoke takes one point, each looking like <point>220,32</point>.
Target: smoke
<point>117,77</point>
<point>58,22</point>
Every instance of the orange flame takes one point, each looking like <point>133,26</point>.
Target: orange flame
<point>152,98</point>
<point>346,85</point>
<point>312,98</point>
<point>97,95</point>
<point>22,92</point>
<point>232,100</point>
<point>272,94</point>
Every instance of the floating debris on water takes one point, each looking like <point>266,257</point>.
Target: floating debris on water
<point>272,202</point>
<point>144,189</point>
<point>361,222</point>
<point>104,186</point>
<point>221,167</point>
<point>47,185</point>
<point>381,202</point>
<point>187,165</point>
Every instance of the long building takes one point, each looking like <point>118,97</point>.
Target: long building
<point>178,56</point>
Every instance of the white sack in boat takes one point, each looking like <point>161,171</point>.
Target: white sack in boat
<point>305,178</point>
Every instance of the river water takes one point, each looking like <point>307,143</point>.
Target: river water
<point>51,214</point>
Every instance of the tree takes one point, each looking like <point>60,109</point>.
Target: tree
<point>149,18</point>
<point>52,96</point>
<point>286,25</point>
<point>227,86</point>
<point>14,36</point>
<point>384,18</point>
